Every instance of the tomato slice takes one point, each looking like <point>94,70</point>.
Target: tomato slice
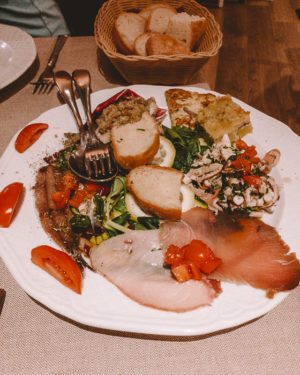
<point>9,197</point>
<point>30,134</point>
<point>59,265</point>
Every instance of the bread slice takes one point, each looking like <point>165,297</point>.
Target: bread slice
<point>135,143</point>
<point>160,44</point>
<point>127,27</point>
<point>159,18</point>
<point>147,11</point>
<point>157,190</point>
<point>223,116</point>
<point>140,43</point>
<point>187,28</point>
<point>184,106</point>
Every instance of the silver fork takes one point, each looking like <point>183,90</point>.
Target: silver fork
<point>99,159</point>
<point>46,81</point>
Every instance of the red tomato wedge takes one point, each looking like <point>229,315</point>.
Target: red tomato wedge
<point>30,134</point>
<point>59,265</point>
<point>9,197</point>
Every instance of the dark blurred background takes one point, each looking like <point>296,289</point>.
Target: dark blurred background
<point>80,15</point>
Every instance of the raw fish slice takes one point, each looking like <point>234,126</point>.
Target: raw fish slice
<point>252,252</point>
<point>134,263</point>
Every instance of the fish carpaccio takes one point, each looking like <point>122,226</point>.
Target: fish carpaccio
<point>252,252</point>
<point>134,263</point>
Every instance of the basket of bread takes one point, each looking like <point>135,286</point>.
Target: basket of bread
<point>154,42</point>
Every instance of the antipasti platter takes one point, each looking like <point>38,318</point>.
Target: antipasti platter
<point>102,302</point>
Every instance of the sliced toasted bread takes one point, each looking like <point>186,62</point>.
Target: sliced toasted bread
<point>157,190</point>
<point>135,143</point>
<point>160,44</point>
<point>223,116</point>
<point>140,44</point>
<point>127,27</point>
<point>187,28</point>
<point>147,11</point>
<point>159,18</point>
<point>184,106</point>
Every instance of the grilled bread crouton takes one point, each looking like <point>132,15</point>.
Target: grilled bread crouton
<point>135,143</point>
<point>157,190</point>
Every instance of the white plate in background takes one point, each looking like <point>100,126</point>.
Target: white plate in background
<point>17,53</point>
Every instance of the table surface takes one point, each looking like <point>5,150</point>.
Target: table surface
<point>35,340</point>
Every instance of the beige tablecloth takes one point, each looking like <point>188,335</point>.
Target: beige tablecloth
<point>35,340</point>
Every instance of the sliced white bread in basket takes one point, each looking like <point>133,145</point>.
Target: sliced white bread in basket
<point>127,27</point>
<point>140,43</point>
<point>159,18</point>
<point>135,143</point>
<point>187,28</point>
<point>147,11</point>
<point>161,44</point>
<point>157,190</point>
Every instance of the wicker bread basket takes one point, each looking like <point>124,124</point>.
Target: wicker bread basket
<point>165,70</point>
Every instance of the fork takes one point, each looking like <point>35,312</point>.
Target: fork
<point>97,154</point>
<point>45,80</point>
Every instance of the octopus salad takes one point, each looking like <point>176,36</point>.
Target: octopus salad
<point>230,176</point>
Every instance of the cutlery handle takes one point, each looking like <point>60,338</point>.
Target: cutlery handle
<point>60,41</point>
<point>82,81</point>
<point>64,83</point>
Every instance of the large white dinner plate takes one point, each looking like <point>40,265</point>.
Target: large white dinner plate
<point>17,53</point>
<point>101,303</point>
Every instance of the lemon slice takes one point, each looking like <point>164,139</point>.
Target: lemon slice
<point>187,198</point>
<point>165,156</point>
<point>133,208</point>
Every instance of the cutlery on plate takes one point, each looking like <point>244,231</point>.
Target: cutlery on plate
<point>98,156</point>
<point>45,83</point>
<point>64,84</point>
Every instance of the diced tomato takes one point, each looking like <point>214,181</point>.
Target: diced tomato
<point>194,271</point>
<point>242,164</point>
<point>59,265</point>
<point>69,181</point>
<point>61,198</point>
<point>209,266</point>
<point>242,145</point>
<point>77,198</point>
<point>252,180</point>
<point>30,134</point>
<point>174,255</point>
<point>181,272</point>
<point>9,197</point>
<point>91,187</point>
<point>197,252</point>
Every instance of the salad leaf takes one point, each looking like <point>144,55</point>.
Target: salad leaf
<point>99,205</point>
<point>62,159</point>
<point>148,222</point>
<point>79,222</point>
<point>186,143</point>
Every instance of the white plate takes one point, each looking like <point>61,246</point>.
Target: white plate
<point>17,53</point>
<point>101,303</point>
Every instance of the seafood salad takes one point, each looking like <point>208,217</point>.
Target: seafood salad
<point>231,176</point>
